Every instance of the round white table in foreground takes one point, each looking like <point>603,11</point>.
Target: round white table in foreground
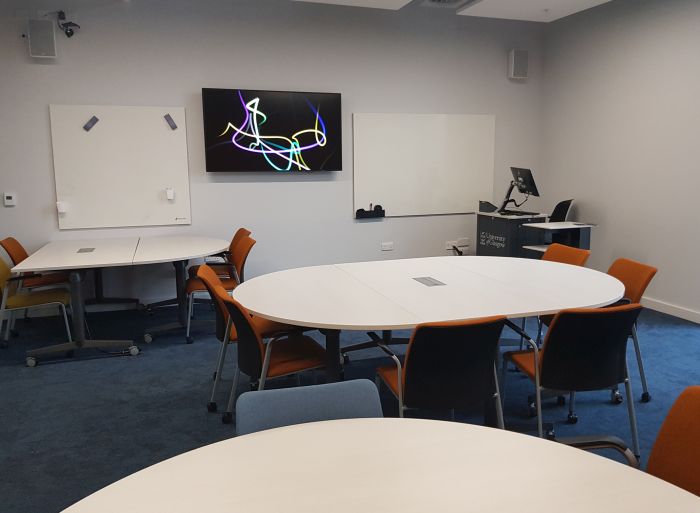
<point>388,465</point>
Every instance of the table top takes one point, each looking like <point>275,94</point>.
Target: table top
<point>506,216</point>
<point>388,465</point>
<point>563,225</point>
<point>117,251</point>
<point>384,294</point>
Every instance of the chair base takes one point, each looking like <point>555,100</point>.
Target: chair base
<point>126,347</point>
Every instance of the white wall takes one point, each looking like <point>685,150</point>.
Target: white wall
<point>164,52</point>
<point>621,118</point>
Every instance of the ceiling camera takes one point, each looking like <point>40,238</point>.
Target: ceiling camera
<point>68,27</point>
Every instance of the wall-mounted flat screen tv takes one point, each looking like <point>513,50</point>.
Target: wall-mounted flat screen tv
<point>249,130</point>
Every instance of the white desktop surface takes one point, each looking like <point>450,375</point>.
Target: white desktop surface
<point>383,295</point>
<point>63,254</point>
<point>388,465</point>
<point>563,225</point>
<point>171,248</point>
<point>496,214</point>
<point>118,251</point>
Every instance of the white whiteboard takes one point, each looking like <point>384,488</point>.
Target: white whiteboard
<point>116,174</point>
<point>423,164</point>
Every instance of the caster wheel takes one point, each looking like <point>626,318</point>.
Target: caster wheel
<point>134,350</point>
<point>532,410</point>
<point>14,333</point>
<point>211,407</point>
<point>561,400</point>
<point>147,338</point>
<point>344,358</point>
<point>571,418</point>
<point>189,340</point>
<point>616,397</point>
<point>213,376</point>
<point>550,435</point>
<point>646,397</point>
<point>227,418</point>
<point>253,386</point>
<point>31,361</point>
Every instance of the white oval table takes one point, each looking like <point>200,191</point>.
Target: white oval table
<point>385,295</point>
<point>388,465</point>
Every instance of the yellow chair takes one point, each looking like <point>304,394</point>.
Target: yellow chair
<point>12,300</point>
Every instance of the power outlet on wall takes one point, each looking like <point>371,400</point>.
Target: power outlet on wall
<point>449,244</point>
<point>387,246</point>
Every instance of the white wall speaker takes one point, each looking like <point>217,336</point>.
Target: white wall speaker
<point>517,64</point>
<point>42,40</point>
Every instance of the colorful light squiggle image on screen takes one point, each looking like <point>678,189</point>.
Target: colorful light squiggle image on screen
<point>251,130</point>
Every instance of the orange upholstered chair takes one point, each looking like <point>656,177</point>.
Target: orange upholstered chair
<point>235,270</point>
<point>286,352</point>
<point>17,254</point>
<point>675,456</point>
<point>636,277</point>
<point>225,330</point>
<point>564,255</point>
<point>585,349</point>
<point>448,365</point>
<point>224,269</point>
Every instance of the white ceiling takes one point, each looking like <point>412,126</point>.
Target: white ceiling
<point>529,10</point>
<point>393,5</point>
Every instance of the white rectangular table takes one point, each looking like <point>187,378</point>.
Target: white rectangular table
<point>77,256</point>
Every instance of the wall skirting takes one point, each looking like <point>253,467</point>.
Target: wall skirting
<point>671,309</point>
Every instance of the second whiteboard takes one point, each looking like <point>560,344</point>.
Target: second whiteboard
<point>423,164</point>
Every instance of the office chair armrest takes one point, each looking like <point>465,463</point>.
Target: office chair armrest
<point>591,443</point>
<point>381,345</point>
<point>518,330</point>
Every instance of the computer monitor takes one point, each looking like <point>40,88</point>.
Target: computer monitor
<point>524,181</point>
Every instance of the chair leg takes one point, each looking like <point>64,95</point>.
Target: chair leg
<point>13,319</point>
<point>642,376</point>
<point>539,331</point>
<point>538,405</point>
<point>572,418</point>
<point>211,405</point>
<point>65,321</point>
<point>8,324</point>
<point>190,310</point>
<point>631,413</point>
<point>227,417</point>
<point>497,399</point>
<point>265,365</point>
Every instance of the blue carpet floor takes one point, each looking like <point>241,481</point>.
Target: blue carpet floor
<point>69,428</point>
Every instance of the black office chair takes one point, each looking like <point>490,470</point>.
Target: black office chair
<point>561,210</point>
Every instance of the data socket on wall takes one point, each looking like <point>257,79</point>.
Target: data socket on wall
<point>170,193</point>
<point>9,199</point>
<point>62,207</point>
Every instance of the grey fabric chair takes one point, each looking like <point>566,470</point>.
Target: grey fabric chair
<point>268,409</point>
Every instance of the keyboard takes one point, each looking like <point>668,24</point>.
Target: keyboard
<point>517,213</point>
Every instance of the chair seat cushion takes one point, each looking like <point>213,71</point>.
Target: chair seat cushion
<point>295,353</point>
<point>197,285</point>
<point>221,270</point>
<point>45,280</point>
<point>390,376</point>
<point>40,297</point>
<point>523,360</point>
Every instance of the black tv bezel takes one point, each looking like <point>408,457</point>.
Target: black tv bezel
<point>312,171</point>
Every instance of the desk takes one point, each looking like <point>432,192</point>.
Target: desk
<point>502,235</point>
<point>79,255</point>
<point>577,235</point>
<point>384,295</point>
<point>388,465</point>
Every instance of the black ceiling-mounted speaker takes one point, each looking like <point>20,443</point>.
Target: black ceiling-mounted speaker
<point>42,40</point>
<point>517,64</point>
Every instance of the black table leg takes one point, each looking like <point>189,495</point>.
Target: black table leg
<point>332,355</point>
<point>180,284</point>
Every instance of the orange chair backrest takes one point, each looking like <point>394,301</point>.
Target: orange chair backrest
<point>14,249</point>
<point>675,457</point>
<point>240,254</point>
<point>212,282</point>
<point>240,234</point>
<point>634,275</point>
<point>4,275</point>
<point>566,254</point>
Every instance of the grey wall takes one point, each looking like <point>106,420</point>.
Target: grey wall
<point>620,134</point>
<point>163,52</point>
